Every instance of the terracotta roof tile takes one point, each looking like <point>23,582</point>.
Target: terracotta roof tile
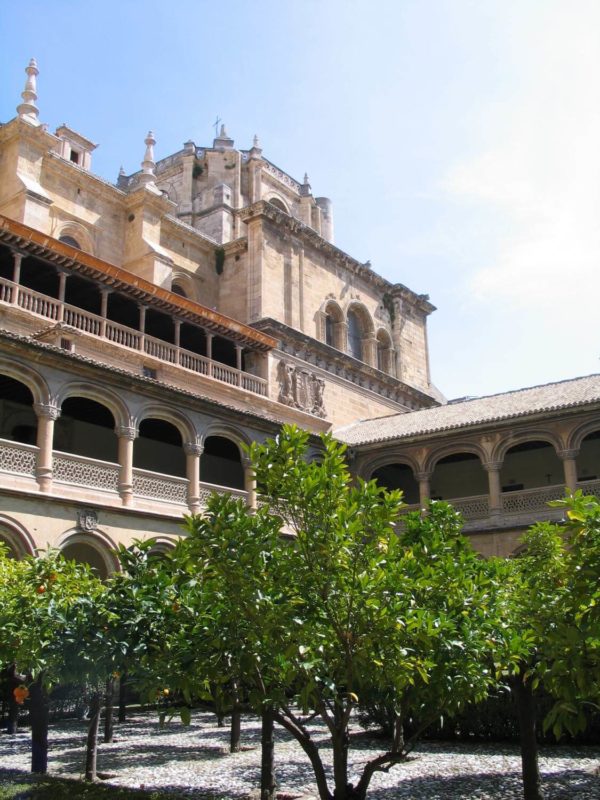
<point>480,410</point>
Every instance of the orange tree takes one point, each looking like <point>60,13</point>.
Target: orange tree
<point>315,600</point>
<point>45,605</point>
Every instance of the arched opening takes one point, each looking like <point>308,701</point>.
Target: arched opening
<point>588,458</point>
<point>221,464</point>
<point>176,288</point>
<point>159,448</point>
<point>398,476</point>
<point>18,422</point>
<point>458,475</point>
<point>86,553</point>
<point>275,201</point>
<point>332,326</point>
<point>86,428</point>
<point>123,310</point>
<point>355,335</point>
<point>16,547</point>
<point>531,465</point>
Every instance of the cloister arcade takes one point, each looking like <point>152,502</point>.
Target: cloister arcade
<point>86,442</point>
<point>519,477</point>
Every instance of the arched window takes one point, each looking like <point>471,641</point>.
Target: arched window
<point>355,335</point>
<point>275,201</point>
<point>70,241</point>
<point>329,330</point>
<point>177,289</point>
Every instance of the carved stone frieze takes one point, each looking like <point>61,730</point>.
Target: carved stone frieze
<point>302,389</point>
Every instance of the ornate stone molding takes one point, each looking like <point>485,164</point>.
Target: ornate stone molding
<point>193,449</point>
<point>126,432</point>
<point>87,519</point>
<point>47,410</point>
<point>567,455</point>
<point>492,466</point>
<point>301,389</point>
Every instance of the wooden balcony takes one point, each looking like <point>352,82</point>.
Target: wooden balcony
<point>102,329</point>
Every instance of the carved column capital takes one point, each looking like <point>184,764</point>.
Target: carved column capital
<point>492,466</point>
<point>568,455</point>
<point>126,432</point>
<point>423,476</point>
<point>48,410</point>
<point>193,449</point>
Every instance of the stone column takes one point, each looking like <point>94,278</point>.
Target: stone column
<point>209,339</point>
<point>18,258</point>
<point>424,488</point>
<point>47,414</point>
<point>62,285</point>
<point>126,436</point>
<point>238,362</point>
<point>568,457</point>
<point>340,330</point>
<point>370,351</point>
<point>495,489</point>
<point>104,310</point>
<point>193,451</point>
<point>142,326</point>
<point>249,483</point>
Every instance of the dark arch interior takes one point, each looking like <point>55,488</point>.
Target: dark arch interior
<point>86,428</point>
<point>158,448</point>
<point>458,475</point>
<point>70,240</point>
<point>221,464</point>
<point>177,289</point>
<point>588,458</point>
<point>84,553</point>
<point>530,465</point>
<point>398,476</point>
<point>274,201</point>
<point>18,422</point>
<point>81,293</point>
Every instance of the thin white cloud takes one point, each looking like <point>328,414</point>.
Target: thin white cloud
<point>538,166</point>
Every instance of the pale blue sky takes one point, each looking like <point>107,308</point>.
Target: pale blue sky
<point>458,139</point>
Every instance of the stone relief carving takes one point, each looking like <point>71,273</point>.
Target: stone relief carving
<point>87,519</point>
<point>301,389</point>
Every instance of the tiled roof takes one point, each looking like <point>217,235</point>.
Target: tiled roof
<point>481,410</point>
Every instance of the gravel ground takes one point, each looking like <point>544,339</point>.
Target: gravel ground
<point>195,759</point>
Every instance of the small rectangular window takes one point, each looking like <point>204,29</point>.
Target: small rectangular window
<point>148,372</point>
<point>75,156</point>
<point>66,344</point>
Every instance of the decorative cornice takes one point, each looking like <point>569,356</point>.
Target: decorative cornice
<point>308,236</point>
<point>316,353</point>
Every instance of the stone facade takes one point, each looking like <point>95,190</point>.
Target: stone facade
<point>153,327</point>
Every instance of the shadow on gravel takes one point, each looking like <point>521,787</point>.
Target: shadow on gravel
<point>488,786</point>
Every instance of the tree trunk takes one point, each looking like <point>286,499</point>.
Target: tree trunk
<point>91,751</point>
<point>123,697</point>
<point>38,709</point>
<point>523,694</point>
<point>108,711</point>
<point>267,760</point>
<point>12,721</point>
<point>236,721</point>
<point>343,790</point>
<point>311,750</point>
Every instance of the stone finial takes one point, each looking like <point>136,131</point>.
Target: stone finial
<point>121,172</point>
<point>223,140</point>
<point>256,149</point>
<point>28,110</point>
<point>147,177</point>
<point>305,189</point>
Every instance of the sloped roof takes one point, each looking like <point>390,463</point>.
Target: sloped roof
<point>466,413</point>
